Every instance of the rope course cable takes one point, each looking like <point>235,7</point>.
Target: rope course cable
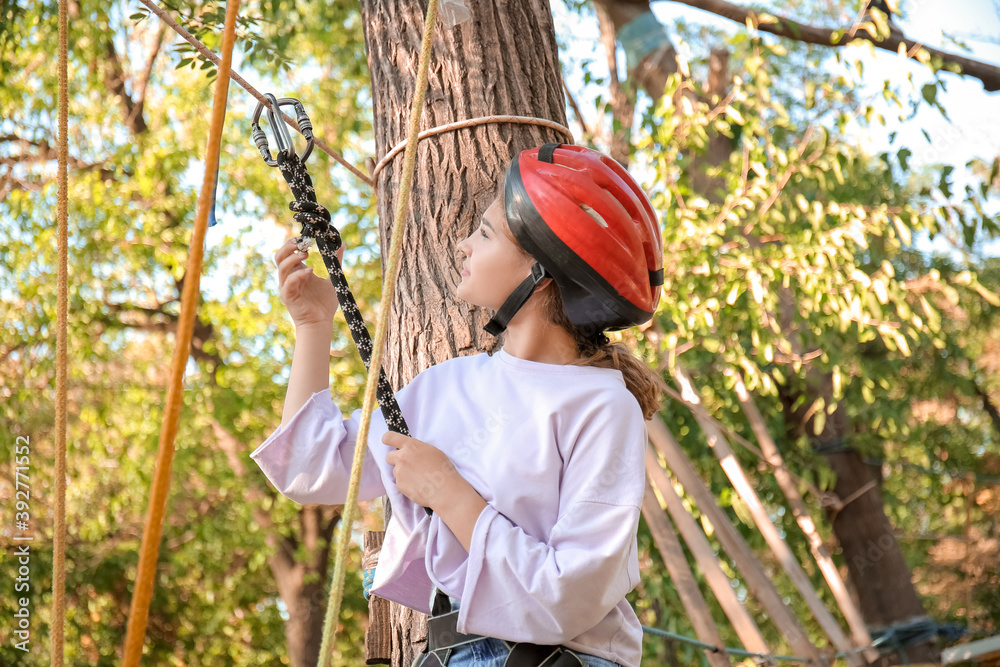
<point>153,528</point>
<point>894,638</point>
<point>62,307</point>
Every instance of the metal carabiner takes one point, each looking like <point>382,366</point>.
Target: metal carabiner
<point>278,127</point>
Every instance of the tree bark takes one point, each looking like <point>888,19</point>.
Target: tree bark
<point>477,69</point>
<point>301,583</point>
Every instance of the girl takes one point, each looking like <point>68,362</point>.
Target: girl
<point>532,458</point>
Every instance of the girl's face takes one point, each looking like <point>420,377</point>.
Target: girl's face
<point>493,266</point>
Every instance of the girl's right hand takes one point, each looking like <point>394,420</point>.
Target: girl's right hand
<point>309,298</point>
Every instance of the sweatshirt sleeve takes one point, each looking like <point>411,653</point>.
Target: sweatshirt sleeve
<point>549,591</point>
<point>309,459</point>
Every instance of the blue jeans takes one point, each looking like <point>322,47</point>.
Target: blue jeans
<point>490,652</point>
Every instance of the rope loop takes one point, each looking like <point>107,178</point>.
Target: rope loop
<point>313,216</point>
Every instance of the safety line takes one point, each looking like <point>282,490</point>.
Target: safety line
<point>153,529</point>
<point>381,329</point>
<point>62,309</point>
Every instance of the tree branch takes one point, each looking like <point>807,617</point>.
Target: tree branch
<point>140,92</point>
<point>783,27</point>
<point>114,81</point>
<point>47,153</point>
<point>156,319</point>
<point>988,405</point>
<point>622,104</point>
<point>588,134</point>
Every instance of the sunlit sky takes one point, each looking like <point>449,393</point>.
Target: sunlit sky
<point>971,132</point>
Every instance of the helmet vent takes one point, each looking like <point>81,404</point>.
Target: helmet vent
<point>594,214</point>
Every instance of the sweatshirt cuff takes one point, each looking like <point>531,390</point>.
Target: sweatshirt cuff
<point>477,559</point>
<point>316,400</point>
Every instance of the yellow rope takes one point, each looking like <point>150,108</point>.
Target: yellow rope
<point>388,288</point>
<point>153,529</point>
<point>62,301</point>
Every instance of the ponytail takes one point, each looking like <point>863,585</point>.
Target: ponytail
<point>642,381</point>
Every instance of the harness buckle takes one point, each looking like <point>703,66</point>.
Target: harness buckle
<point>280,130</point>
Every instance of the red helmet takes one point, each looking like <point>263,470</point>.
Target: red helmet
<point>590,228</point>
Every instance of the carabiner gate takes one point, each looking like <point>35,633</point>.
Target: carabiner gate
<point>280,130</point>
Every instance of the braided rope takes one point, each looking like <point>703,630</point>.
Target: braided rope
<point>388,289</point>
<point>153,529</point>
<point>316,225</point>
<point>59,539</point>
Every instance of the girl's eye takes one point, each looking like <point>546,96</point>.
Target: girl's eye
<point>483,233</point>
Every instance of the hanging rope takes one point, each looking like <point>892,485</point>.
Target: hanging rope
<point>59,539</point>
<point>388,289</point>
<point>316,225</point>
<point>153,529</point>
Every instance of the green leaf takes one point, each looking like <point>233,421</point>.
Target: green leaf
<point>929,92</point>
<point>904,155</point>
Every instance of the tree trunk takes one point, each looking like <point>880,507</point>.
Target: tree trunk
<point>876,566</point>
<point>302,584</point>
<point>877,572</point>
<point>476,69</point>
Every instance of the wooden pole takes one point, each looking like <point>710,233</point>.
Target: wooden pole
<point>756,578</point>
<point>708,563</point>
<point>738,478</point>
<point>378,634</point>
<point>798,506</point>
<point>677,566</point>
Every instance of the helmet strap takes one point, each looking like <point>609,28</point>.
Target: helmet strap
<point>516,300</point>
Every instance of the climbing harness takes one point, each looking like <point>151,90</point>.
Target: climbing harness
<point>443,638</point>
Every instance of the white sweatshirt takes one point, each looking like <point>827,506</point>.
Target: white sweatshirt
<point>557,452</point>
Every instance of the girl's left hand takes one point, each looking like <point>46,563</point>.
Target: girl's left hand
<point>422,471</point>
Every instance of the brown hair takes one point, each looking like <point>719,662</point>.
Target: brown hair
<point>642,381</point>
<point>645,383</point>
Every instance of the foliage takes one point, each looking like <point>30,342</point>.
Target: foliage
<point>132,194</point>
<point>803,260</point>
<point>911,336</point>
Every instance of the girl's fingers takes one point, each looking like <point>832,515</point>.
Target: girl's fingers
<point>290,263</point>
<point>286,249</point>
